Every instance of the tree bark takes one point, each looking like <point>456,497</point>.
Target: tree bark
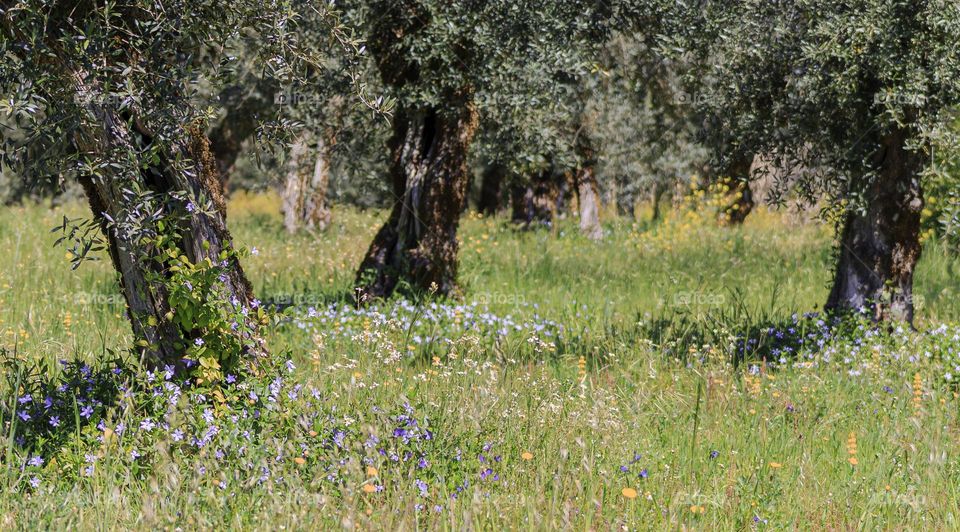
<point>588,203</point>
<point>491,189</point>
<point>185,168</point>
<point>305,187</point>
<point>418,243</point>
<point>585,183</point>
<point>879,249</point>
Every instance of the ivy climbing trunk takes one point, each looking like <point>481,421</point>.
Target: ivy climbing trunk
<point>418,243</point>
<point>305,187</point>
<point>879,248</point>
<point>128,204</point>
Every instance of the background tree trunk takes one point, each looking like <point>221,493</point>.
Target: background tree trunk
<point>588,203</point>
<point>491,189</point>
<point>305,187</point>
<point>585,184</point>
<point>878,250</point>
<point>240,121</point>
<point>418,243</point>
<point>536,202</point>
<point>185,166</point>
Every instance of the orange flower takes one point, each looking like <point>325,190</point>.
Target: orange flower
<point>299,460</point>
<point>371,471</point>
<point>369,488</point>
<point>776,465</point>
<point>629,493</point>
<point>527,455</point>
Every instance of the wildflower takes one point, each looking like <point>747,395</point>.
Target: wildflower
<point>147,425</point>
<point>422,486</point>
<point>372,471</point>
<point>775,465</point>
<point>714,454</point>
<point>629,493</point>
<point>35,461</point>
<point>289,365</point>
<point>697,509</point>
<point>299,460</point>
<point>643,473</point>
<point>190,206</point>
<point>526,456</point>
<point>852,448</point>
<point>23,415</point>
<point>34,482</point>
<point>198,342</point>
<point>369,488</point>
<point>54,421</point>
<point>917,391</point>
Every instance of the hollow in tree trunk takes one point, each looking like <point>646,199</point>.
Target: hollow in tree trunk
<point>879,249</point>
<point>418,243</point>
<point>305,187</point>
<point>184,169</point>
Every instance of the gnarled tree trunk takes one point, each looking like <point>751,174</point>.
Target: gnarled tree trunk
<point>185,169</point>
<point>879,249</point>
<point>305,187</point>
<point>418,243</point>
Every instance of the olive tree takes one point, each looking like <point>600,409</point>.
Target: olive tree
<point>443,61</point>
<point>107,93</point>
<point>857,93</point>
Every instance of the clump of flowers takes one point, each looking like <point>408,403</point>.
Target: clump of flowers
<point>253,430</point>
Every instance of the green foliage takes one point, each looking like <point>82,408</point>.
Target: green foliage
<point>816,84</point>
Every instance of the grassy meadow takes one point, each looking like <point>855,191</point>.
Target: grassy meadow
<point>668,376</point>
